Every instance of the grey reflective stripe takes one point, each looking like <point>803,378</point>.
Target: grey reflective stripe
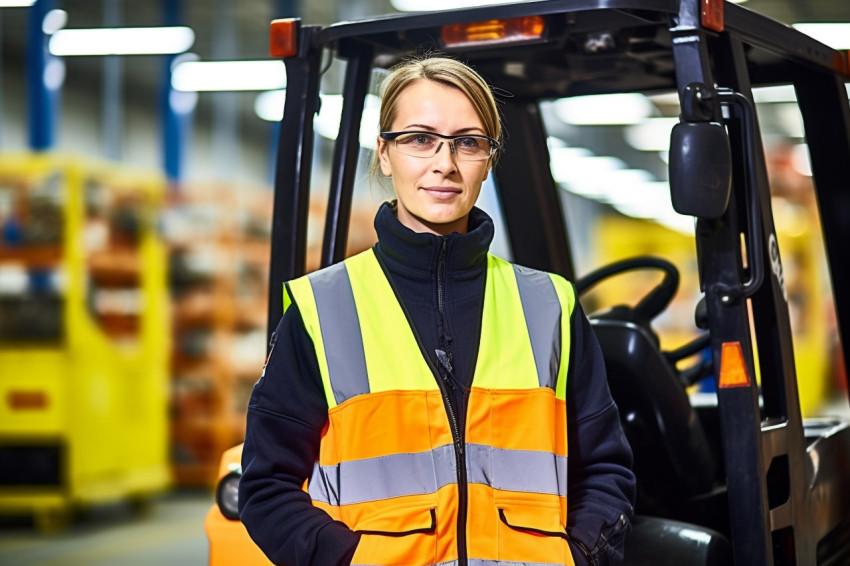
<point>396,475</point>
<point>454,563</point>
<point>358,481</point>
<point>340,332</point>
<point>480,562</point>
<point>517,470</point>
<point>543,318</point>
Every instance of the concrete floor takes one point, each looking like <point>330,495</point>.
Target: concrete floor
<point>168,533</point>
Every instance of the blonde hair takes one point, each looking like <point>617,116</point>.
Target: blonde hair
<point>443,70</point>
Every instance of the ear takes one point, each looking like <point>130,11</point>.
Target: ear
<point>384,158</point>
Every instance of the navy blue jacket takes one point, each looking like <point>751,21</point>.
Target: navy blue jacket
<point>287,410</point>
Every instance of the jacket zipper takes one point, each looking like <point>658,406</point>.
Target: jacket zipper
<point>446,374</point>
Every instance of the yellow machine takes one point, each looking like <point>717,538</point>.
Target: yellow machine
<point>797,233</point>
<point>84,338</point>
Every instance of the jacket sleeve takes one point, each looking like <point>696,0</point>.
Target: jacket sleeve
<point>601,485</point>
<point>286,415</point>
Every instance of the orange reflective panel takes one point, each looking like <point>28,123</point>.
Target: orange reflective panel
<point>733,368</point>
<point>527,409</point>
<point>389,422</point>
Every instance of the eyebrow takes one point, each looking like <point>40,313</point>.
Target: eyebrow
<point>432,129</point>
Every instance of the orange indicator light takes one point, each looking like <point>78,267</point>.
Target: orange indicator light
<point>283,39</point>
<point>712,14</point>
<point>494,31</point>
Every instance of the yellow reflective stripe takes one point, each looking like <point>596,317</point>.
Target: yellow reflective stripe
<point>394,360</point>
<point>566,294</point>
<point>286,299</point>
<point>505,356</point>
<point>302,294</point>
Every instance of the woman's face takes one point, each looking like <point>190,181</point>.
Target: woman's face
<point>435,194</point>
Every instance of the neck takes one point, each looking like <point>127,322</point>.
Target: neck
<point>460,226</point>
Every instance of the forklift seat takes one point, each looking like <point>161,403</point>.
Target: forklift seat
<point>672,456</point>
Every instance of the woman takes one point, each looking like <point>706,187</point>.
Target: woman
<point>428,390</point>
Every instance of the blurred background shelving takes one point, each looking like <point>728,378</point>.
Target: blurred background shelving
<point>219,255</point>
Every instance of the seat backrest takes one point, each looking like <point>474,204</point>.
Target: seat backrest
<point>672,457</point>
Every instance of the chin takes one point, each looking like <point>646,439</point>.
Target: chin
<point>441,219</point>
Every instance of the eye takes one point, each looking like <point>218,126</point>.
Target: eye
<point>468,143</point>
<point>417,140</point>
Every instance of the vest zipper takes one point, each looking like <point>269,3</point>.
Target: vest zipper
<point>446,373</point>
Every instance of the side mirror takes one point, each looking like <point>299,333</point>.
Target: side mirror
<point>700,164</point>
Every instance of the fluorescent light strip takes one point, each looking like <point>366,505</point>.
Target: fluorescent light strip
<point>229,75</point>
<point>653,134</point>
<point>16,3</point>
<point>604,109</point>
<point>269,105</point>
<point>836,35</point>
<point>122,41</point>
<point>53,21</point>
<point>773,94</point>
<point>434,5</point>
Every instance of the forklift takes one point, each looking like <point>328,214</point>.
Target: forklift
<point>736,477</point>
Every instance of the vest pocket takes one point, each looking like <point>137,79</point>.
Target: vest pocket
<point>400,523</point>
<point>532,531</point>
<point>398,535</point>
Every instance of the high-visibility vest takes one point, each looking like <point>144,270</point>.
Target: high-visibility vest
<point>388,459</point>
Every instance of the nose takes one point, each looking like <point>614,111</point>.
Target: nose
<point>451,145</point>
<point>445,161</point>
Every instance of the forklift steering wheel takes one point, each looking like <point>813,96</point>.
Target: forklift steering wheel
<point>655,301</point>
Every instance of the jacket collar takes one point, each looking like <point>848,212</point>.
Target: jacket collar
<point>418,253</point>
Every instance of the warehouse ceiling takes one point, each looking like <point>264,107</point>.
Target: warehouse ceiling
<point>229,29</point>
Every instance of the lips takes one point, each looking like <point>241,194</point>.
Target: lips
<point>442,192</point>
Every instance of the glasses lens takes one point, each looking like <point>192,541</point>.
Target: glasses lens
<point>417,145</point>
<point>467,148</point>
<point>472,148</point>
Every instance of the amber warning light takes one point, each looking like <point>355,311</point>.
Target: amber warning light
<point>494,31</point>
<point>712,14</point>
<point>283,38</point>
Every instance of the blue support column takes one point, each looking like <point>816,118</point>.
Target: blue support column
<point>42,88</point>
<point>1,79</point>
<point>173,122</point>
<point>225,105</point>
<point>112,105</point>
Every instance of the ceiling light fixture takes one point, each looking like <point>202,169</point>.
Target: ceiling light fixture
<point>327,121</point>
<point>122,41</point>
<point>269,105</point>
<point>652,134</point>
<point>229,75</point>
<point>53,21</point>
<point>16,3</point>
<point>604,109</point>
<point>835,35</point>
